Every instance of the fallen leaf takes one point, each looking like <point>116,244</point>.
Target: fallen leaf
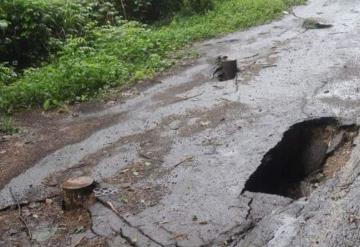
<point>205,123</point>
<point>124,171</point>
<point>179,237</point>
<point>124,200</point>
<point>79,230</point>
<point>135,173</point>
<point>203,223</point>
<point>48,201</point>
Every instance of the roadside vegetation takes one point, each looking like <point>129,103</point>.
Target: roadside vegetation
<point>63,51</point>
<point>7,126</point>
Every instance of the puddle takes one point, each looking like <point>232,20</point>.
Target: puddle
<point>309,153</point>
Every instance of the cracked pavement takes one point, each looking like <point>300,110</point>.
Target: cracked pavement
<point>202,139</point>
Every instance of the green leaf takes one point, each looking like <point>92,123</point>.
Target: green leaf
<point>47,105</point>
<point>3,24</point>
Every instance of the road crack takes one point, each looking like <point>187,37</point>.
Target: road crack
<point>249,209</point>
<point>127,239</point>
<point>127,223</point>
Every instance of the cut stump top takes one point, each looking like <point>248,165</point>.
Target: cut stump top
<point>77,183</point>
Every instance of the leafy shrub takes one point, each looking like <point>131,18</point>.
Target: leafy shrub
<point>7,75</point>
<point>30,30</point>
<point>197,6</point>
<point>112,56</point>
<point>102,12</point>
<point>148,10</point>
<point>7,126</point>
<point>120,55</point>
<point>154,10</point>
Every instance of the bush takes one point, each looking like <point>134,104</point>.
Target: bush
<point>155,10</point>
<point>148,10</point>
<point>31,30</point>
<point>102,12</point>
<point>120,55</point>
<point>197,6</point>
<point>85,66</point>
<point>7,126</point>
<point>7,75</point>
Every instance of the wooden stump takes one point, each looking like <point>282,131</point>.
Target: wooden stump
<point>78,193</point>
<point>230,69</point>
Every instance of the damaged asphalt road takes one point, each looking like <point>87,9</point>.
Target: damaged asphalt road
<point>184,149</point>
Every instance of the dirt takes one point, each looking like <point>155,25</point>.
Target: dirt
<point>47,224</point>
<point>167,97</point>
<point>341,156</point>
<point>41,134</point>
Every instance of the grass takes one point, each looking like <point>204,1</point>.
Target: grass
<point>121,55</point>
<point>7,126</point>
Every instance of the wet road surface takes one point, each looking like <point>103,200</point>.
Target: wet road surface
<point>188,145</point>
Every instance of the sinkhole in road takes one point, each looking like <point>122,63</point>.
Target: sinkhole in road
<point>309,153</point>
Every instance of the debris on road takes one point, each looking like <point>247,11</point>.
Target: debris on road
<point>312,23</point>
<point>188,158</point>
<point>175,125</point>
<point>21,218</point>
<point>268,65</point>
<point>205,123</point>
<point>203,223</point>
<point>43,234</point>
<point>179,99</point>
<point>211,142</point>
<point>105,191</point>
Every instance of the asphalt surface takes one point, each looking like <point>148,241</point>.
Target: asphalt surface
<point>204,138</point>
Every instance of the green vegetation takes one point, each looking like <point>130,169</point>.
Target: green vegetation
<point>7,126</point>
<point>31,30</point>
<point>97,56</point>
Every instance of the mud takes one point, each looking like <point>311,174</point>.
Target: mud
<point>42,134</point>
<point>47,224</point>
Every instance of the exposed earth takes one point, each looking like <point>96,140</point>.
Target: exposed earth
<point>271,159</point>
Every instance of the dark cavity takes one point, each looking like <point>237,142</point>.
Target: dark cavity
<point>309,153</point>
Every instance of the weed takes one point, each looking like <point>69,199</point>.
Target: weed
<point>7,126</point>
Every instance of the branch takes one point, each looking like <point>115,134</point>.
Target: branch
<point>19,213</point>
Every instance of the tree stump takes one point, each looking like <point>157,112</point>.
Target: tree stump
<point>78,193</point>
<point>225,69</point>
<point>230,69</point>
